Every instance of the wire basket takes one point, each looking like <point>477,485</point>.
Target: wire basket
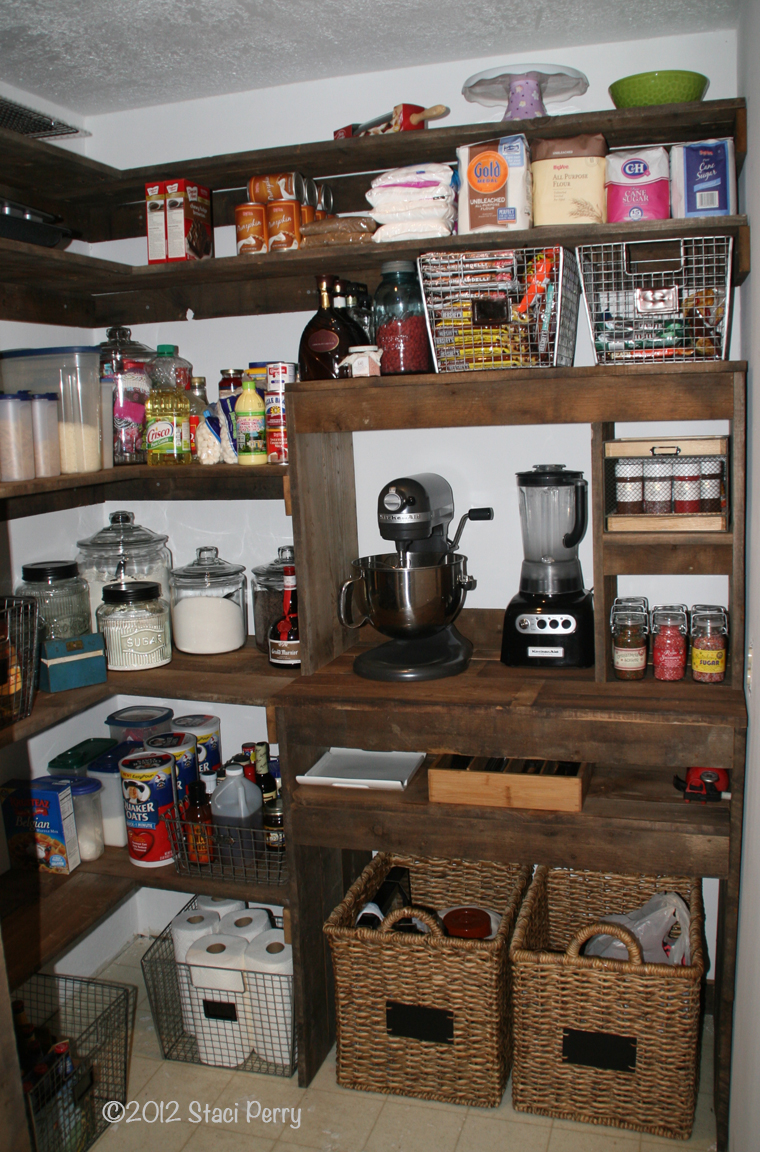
<point>19,657</point>
<point>224,852</point>
<point>656,301</point>
<point>65,1107</point>
<point>512,308</point>
<point>250,1028</point>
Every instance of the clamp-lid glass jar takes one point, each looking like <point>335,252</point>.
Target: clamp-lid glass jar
<point>122,552</point>
<point>62,596</point>
<point>208,599</point>
<point>629,645</point>
<point>399,317</point>
<point>669,648</point>
<point>268,585</point>
<point>135,624</point>
<point>709,644</point>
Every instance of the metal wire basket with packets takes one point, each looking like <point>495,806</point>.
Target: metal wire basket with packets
<point>658,300</point>
<point>512,308</point>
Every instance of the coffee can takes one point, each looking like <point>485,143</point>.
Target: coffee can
<point>283,225</point>
<point>251,228</point>
<point>277,186</point>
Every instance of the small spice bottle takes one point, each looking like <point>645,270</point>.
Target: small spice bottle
<point>629,487</point>
<point>658,487</point>
<point>709,643</point>
<point>134,621</point>
<point>712,484</point>
<point>198,824</point>
<point>274,825</point>
<point>629,645</point>
<point>687,485</point>
<point>669,648</point>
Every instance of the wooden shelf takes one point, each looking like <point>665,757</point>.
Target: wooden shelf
<point>661,553</point>
<point>242,677</point>
<point>143,482</point>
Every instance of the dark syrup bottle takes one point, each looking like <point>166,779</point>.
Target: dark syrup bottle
<point>326,338</point>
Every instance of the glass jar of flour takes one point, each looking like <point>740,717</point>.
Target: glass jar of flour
<point>124,551</point>
<point>208,599</point>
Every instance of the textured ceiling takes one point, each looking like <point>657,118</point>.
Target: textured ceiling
<point>105,55</point>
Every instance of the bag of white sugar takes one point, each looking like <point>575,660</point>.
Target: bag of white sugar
<point>568,180</point>
<point>495,185</point>
<point>703,179</point>
<point>638,185</point>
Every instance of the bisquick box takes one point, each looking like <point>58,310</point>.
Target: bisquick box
<point>182,209</point>
<point>39,824</point>
<point>496,193</point>
<point>703,179</point>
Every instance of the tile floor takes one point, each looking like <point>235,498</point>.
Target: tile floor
<point>334,1119</point>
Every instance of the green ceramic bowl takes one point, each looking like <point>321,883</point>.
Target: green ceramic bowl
<point>658,88</point>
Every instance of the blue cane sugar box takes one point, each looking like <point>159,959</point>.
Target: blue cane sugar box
<point>39,824</point>
<point>703,179</point>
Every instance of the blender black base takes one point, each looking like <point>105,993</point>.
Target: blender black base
<point>445,653</point>
<point>550,647</point>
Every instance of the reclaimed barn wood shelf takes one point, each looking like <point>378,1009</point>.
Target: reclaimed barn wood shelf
<point>143,482</point>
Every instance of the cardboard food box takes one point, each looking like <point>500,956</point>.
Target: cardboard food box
<point>72,663</point>
<point>189,234</point>
<point>155,222</point>
<point>40,828</point>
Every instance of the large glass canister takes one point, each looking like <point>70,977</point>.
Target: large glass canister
<point>124,379</point>
<point>208,599</point>
<point>123,551</point>
<point>399,318</point>
<point>267,588</point>
<point>62,596</point>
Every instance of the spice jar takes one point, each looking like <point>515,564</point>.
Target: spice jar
<point>399,316</point>
<point>686,485</point>
<point>268,585</point>
<point>629,487</point>
<point>85,798</point>
<point>712,488</point>
<point>62,596</point>
<point>134,621</point>
<point>669,647</point>
<point>658,487</point>
<point>709,643</point>
<point>208,599</point>
<point>629,645</point>
<point>122,552</point>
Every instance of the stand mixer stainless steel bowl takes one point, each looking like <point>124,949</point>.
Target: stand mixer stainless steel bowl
<point>415,594</point>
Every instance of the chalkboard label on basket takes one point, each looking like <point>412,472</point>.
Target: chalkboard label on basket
<point>599,1050</point>
<point>214,1010</point>
<point>419,1023</point>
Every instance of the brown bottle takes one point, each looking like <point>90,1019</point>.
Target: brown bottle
<point>284,641</point>
<point>197,824</point>
<point>326,338</point>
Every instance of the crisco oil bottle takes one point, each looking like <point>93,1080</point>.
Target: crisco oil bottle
<point>167,410</point>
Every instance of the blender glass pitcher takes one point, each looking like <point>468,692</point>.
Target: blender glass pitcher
<point>553,519</point>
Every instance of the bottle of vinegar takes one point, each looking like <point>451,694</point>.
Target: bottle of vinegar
<point>284,643</point>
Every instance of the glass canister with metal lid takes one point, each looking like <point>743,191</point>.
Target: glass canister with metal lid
<point>208,599</point>
<point>134,621</point>
<point>62,596</point>
<point>125,386</point>
<point>267,588</point>
<point>123,551</point>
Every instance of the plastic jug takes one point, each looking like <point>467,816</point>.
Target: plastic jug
<point>236,812</point>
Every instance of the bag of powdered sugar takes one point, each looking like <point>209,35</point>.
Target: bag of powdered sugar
<point>638,185</point>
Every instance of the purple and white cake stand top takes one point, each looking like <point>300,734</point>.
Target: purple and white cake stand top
<point>524,88</point>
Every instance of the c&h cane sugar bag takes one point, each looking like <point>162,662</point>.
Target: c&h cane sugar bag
<point>638,185</point>
<point>568,180</point>
<point>495,185</point>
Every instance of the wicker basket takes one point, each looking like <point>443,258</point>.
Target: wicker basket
<point>391,989</point>
<point>604,1041</point>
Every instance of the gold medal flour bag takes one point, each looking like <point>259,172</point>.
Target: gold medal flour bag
<point>495,185</point>
<point>568,180</point>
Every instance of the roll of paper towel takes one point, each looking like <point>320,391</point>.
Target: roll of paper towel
<point>248,923</point>
<point>186,929</point>
<point>269,975</point>
<point>222,1021</point>
<point>220,904</point>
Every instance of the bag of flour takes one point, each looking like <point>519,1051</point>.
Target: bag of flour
<point>568,180</point>
<point>495,185</point>
<point>638,185</point>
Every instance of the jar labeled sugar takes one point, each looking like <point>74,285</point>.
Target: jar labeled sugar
<point>134,621</point>
<point>709,644</point>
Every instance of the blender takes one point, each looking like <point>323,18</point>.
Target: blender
<point>550,622</point>
<point>414,594</point>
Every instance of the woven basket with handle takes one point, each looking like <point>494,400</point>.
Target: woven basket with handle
<point>390,986</point>
<point>604,1041</point>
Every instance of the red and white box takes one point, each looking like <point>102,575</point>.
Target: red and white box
<point>189,233</point>
<point>155,213</point>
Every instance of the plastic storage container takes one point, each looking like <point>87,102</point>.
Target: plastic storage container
<point>208,600</point>
<point>135,624</point>
<point>399,318</point>
<point>267,587</point>
<point>85,795</point>
<point>62,595</point>
<point>124,378</point>
<point>138,722</point>
<point>77,760</point>
<point>123,551</point>
<point>105,768</point>
<point>73,373</point>
<point>16,438</point>
<point>47,448</point>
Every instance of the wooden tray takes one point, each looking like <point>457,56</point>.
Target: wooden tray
<point>670,522</point>
<point>657,446</point>
<point>520,784</point>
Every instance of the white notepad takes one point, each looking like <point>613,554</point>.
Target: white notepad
<point>355,768</point>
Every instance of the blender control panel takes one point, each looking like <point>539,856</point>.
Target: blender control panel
<point>530,624</point>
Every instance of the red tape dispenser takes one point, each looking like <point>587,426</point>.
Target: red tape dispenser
<point>704,785</point>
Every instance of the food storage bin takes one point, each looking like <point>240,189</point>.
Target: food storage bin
<point>73,374</point>
<point>208,601</point>
<point>135,624</point>
<point>16,438</point>
<point>604,1041</point>
<point>77,760</point>
<point>426,1015</point>
<point>65,1106</point>
<point>123,551</point>
<point>88,814</point>
<point>47,448</point>
<point>62,595</point>
<point>105,768</point>
<point>267,587</point>
<point>139,722</point>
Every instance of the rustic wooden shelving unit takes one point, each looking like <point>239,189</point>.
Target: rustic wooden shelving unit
<point>637,734</point>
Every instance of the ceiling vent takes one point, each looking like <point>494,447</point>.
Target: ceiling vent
<point>18,118</point>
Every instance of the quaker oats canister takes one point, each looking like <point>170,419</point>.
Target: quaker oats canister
<point>207,731</point>
<point>183,746</point>
<point>146,785</point>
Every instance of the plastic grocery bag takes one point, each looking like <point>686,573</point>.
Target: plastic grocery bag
<point>415,176</point>
<point>651,925</point>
